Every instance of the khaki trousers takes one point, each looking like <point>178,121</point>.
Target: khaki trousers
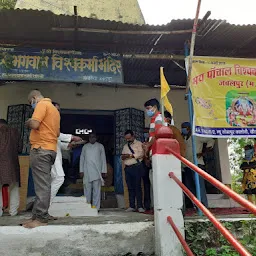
<point>41,162</point>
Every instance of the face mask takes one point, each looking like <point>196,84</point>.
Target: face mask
<point>249,154</point>
<point>184,131</point>
<point>33,104</point>
<point>150,113</point>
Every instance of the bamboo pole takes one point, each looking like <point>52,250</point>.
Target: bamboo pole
<point>75,27</point>
<point>192,44</point>
<point>125,32</point>
<point>190,106</point>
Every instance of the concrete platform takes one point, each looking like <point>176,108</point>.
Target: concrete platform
<point>221,201</point>
<point>112,233</point>
<point>112,216</point>
<point>63,206</point>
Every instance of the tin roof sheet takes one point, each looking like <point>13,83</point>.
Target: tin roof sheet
<point>215,38</point>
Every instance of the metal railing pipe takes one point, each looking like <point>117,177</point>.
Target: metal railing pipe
<point>236,197</point>
<point>180,237</point>
<point>232,240</point>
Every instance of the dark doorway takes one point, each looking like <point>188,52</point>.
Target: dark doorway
<point>99,122</point>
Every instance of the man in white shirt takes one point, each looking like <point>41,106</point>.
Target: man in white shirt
<point>189,174</point>
<point>93,168</point>
<point>132,156</point>
<point>57,172</point>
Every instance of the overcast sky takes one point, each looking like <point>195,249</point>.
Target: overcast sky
<point>234,11</point>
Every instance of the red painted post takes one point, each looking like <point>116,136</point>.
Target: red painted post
<point>245,203</point>
<point>239,248</point>
<point>180,237</point>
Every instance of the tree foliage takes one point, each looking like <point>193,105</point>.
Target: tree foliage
<point>8,4</point>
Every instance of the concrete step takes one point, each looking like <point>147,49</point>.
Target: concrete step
<point>63,206</point>
<point>109,234</point>
<point>221,201</point>
<point>112,233</point>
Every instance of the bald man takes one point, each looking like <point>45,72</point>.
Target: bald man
<point>45,130</point>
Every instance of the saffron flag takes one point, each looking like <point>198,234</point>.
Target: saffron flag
<point>165,88</point>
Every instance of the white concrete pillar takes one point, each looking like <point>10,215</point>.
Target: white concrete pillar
<point>168,198</point>
<point>224,161</point>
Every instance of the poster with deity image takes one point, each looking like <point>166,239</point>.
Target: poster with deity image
<point>224,97</point>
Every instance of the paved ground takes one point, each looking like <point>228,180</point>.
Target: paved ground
<point>105,217</point>
<point>111,216</point>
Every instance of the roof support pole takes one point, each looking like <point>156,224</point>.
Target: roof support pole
<point>199,182</point>
<point>192,44</point>
<point>75,27</point>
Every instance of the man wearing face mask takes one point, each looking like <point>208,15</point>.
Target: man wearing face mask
<point>152,108</point>
<point>132,156</point>
<point>189,180</point>
<point>93,169</point>
<point>45,130</point>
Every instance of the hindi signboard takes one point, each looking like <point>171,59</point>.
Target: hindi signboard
<point>60,65</point>
<point>224,97</point>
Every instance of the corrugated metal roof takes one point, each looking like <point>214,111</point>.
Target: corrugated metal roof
<point>215,38</point>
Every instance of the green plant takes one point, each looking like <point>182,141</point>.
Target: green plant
<point>211,252</point>
<point>205,240</point>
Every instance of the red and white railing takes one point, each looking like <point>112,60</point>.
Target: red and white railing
<point>245,203</point>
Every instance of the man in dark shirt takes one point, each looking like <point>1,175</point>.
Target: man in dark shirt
<point>9,166</point>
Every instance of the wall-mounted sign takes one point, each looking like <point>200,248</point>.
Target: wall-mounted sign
<point>60,65</point>
<point>83,131</point>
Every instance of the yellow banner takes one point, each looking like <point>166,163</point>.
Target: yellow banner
<point>224,97</point>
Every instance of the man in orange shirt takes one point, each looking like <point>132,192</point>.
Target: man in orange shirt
<point>176,133</point>
<point>45,130</point>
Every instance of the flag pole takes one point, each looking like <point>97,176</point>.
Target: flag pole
<point>162,100</point>
<point>192,45</point>
<point>162,111</point>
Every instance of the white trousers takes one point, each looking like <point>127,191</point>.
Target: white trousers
<point>14,194</point>
<point>57,182</point>
<point>151,187</point>
<point>92,192</point>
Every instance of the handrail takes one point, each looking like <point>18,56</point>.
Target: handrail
<point>245,203</point>
<point>180,237</point>
<point>232,240</point>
